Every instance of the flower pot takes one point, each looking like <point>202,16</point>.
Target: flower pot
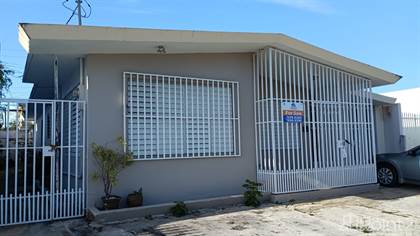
<point>134,199</point>
<point>113,202</point>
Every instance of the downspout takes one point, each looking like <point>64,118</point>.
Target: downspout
<point>82,86</point>
<point>56,92</point>
<point>83,96</point>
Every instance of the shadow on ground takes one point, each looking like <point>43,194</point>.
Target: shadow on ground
<point>284,218</point>
<point>384,193</point>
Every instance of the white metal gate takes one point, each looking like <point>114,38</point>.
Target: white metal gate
<point>314,125</point>
<point>42,160</point>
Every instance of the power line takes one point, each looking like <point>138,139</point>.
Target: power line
<point>78,10</point>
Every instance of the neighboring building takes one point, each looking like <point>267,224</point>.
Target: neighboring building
<point>388,125</point>
<point>201,111</point>
<point>408,98</point>
<point>410,114</point>
<point>397,120</point>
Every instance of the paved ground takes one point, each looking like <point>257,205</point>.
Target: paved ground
<point>388,211</point>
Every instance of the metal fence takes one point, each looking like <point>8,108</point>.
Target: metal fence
<point>314,125</point>
<point>411,129</point>
<point>42,160</point>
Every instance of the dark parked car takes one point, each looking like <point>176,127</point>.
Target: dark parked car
<point>398,168</point>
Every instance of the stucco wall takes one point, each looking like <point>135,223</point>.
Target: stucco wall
<point>412,137</point>
<point>388,129</point>
<point>169,180</point>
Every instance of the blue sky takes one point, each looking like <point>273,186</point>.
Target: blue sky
<point>382,33</point>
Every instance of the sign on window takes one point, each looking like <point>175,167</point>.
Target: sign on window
<point>292,112</point>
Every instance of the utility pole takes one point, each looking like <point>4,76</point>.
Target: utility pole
<point>79,11</point>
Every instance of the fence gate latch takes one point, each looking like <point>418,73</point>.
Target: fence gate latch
<point>48,151</point>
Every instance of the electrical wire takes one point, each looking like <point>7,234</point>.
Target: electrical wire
<point>84,13</point>
<point>72,14</point>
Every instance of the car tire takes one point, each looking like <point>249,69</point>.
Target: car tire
<point>387,175</point>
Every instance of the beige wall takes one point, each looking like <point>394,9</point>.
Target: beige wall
<point>169,180</point>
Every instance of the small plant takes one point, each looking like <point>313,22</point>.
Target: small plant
<point>252,195</point>
<point>135,198</point>
<point>110,163</point>
<point>180,209</point>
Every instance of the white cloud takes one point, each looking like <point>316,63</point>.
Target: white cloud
<point>316,6</point>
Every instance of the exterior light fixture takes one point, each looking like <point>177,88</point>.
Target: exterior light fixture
<point>161,49</point>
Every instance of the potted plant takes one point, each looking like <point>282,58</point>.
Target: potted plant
<point>110,162</point>
<point>135,198</point>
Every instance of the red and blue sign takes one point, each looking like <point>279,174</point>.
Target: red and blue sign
<point>292,112</point>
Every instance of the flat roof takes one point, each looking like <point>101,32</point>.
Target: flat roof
<point>84,40</point>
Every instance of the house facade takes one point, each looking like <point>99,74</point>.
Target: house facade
<point>200,111</point>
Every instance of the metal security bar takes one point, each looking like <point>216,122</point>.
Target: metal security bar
<point>314,124</point>
<point>173,117</point>
<point>42,160</point>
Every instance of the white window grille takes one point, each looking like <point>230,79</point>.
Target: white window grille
<point>180,117</point>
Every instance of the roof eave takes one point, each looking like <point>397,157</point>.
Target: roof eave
<point>82,40</point>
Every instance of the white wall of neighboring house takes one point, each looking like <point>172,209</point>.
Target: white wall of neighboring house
<point>388,128</point>
<point>408,98</point>
<point>410,114</point>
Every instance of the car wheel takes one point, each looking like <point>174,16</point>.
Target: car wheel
<point>387,175</point>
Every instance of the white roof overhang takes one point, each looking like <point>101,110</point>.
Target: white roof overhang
<point>84,40</point>
<point>382,99</point>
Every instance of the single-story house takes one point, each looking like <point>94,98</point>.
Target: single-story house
<point>200,111</point>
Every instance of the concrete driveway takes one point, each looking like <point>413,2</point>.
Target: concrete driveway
<point>387,211</point>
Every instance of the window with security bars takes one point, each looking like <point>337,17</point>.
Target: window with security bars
<point>180,117</point>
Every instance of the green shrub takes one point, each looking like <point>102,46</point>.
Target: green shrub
<point>252,195</point>
<point>110,163</point>
<point>180,209</point>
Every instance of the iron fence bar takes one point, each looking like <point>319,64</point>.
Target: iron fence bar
<point>338,102</point>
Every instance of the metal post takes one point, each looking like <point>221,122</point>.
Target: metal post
<point>79,11</point>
